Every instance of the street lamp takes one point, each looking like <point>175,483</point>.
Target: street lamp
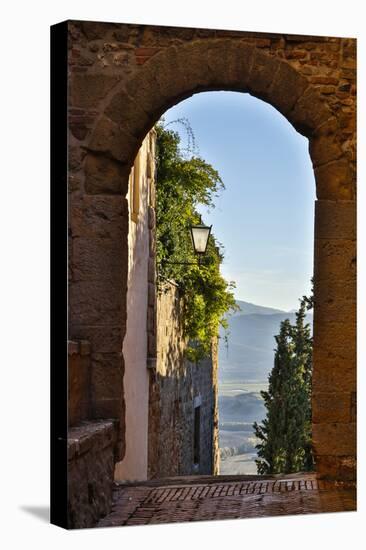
<point>200,234</point>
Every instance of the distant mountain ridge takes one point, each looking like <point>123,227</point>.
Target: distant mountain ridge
<point>246,308</point>
<point>248,353</point>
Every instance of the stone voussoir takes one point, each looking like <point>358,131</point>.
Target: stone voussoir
<point>105,176</point>
<point>87,90</point>
<point>99,216</point>
<point>286,88</point>
<point>113,140</point>
<point>334,180</point>
<point>309,112</point>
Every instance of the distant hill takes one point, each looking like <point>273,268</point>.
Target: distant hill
<point>246,308</point>
<point>249,352</point>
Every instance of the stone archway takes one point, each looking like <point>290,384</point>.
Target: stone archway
<point>124,112</point>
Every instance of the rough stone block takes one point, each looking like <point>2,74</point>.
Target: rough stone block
<point>193,71</point>
<point>144,89</point>
<point>72,347</point>
<point>151,271</point>
<point>262,75</point>
<point>324,149</point>
<point>338,337</point>
<point>151,320</point>
<point>151,344</point>
<point>102,339</point>
<point>309,112</point>
<point>106,376</point>
<point>75,157</point>
<point>152,244</point>
<point>166,90</point>
<point>96,259</point>
<point>97,302</point>
<point>113,139</point>
<point>334,439</point>
<point>104,217</point>
<point>343,329</point>
<point>105,176</point>
<point>84,346</point>
<point>331,407</point>
<point>126,112</point>
<point>78,388</point>
<point>334,369</point>
<point>151,217</point>
<point>87,90</point>
<point>230,64</point>
<point>151,294</point>
<point>108,408</point>
<point>334,298</point>
<point>335,219</point>
<point>342,468</point>
<point>90,474</point>
<point>94,30</point>
<point>353,406</point>
<point>334,181</point>
<point>286,88</point>
<point>335,259</point>
<point>241,65</point>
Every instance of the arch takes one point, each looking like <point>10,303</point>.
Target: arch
<point>223,64</point>
<point>128,113</point>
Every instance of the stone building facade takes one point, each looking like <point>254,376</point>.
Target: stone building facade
<point>122,78</point>
<point>183,415</point>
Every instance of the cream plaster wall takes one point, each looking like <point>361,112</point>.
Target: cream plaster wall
<point>136,377</point>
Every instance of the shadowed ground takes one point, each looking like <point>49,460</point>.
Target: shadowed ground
<point>226,497</point>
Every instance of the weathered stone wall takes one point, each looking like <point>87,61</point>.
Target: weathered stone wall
<point>334,378</point>
<point>215,412</point>
<point>91,445</point>
<point>177,386</point>
<point>151,271</point>
<point>90,472</point>
<point>78,382</point>
<point>122,78</point>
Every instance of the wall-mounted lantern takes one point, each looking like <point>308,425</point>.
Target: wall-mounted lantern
<point>200,234</point>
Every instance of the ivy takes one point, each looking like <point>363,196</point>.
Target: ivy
<point>183,183</point>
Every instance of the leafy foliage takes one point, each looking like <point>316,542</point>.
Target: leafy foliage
<point>285,433</point>
<point>182,184</point>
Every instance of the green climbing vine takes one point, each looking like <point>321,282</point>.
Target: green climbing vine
<point>183,182</point>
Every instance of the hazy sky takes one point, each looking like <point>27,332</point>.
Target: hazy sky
<point>264,217</point>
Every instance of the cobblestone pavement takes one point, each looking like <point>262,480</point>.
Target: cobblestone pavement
<point>212,498</point>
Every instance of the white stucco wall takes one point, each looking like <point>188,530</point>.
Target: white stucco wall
<point>136,377</point>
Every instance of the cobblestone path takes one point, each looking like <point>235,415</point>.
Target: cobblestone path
<point>212,498</point>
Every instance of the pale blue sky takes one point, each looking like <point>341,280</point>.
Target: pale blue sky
<point>264,217</point>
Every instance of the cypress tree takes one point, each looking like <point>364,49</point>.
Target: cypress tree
<point>285,433</point>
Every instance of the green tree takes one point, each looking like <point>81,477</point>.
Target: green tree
<point>285,433</point>
<point>182,184</point>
